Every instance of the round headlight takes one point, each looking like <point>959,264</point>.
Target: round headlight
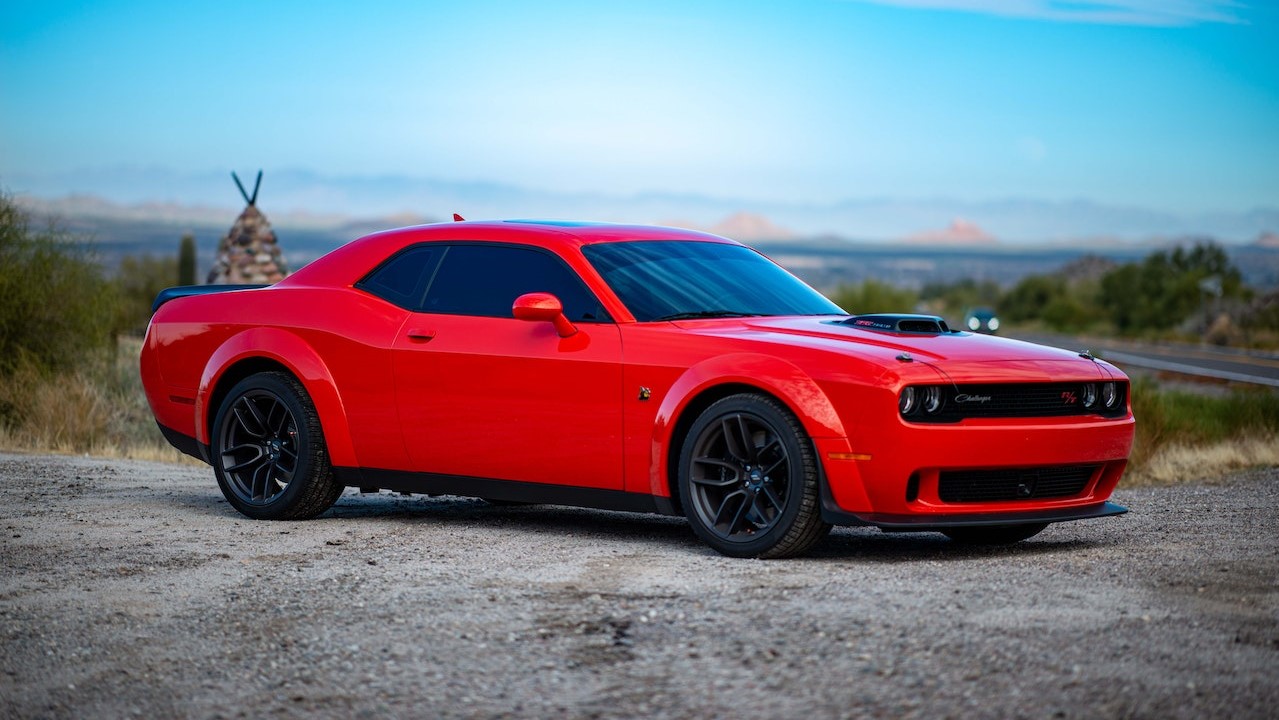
<point>993,323</point>
<point>906,403</point>
<point>1109,394</point>
<point>932,399</point>
<point>1090,395</point>
<point>973,323</point>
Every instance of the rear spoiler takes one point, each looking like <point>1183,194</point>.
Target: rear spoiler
<point>174,293</point>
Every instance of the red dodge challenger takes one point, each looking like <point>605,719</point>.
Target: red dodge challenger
<point>628,368</point>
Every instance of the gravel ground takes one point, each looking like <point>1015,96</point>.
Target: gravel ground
<point>131,588</point>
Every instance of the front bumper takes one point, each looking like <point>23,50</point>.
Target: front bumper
<point>889,476</point>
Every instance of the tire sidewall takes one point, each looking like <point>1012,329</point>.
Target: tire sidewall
<point>302,475</point>
<point>796,482</point>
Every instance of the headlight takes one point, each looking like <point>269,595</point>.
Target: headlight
<point>1109,394</point>
<point>932,399</point>
<point>993,323</point>
<point>906,403</point>
<point>1090,395</point>
<point>973,323</point>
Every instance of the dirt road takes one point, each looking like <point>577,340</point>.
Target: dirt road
<point>130,588</point>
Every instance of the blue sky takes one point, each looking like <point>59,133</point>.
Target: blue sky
<point>1171,105</point>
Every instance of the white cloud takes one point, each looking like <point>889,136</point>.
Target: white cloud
<point>1164,13</point>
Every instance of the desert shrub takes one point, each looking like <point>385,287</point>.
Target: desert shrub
<point>186,260</point>
<point>140,279</point>
<point>56,308</point>
<point>873,296</point>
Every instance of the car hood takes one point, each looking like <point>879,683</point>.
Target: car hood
<point>962,356</point>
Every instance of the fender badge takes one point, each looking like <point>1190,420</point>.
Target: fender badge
<point>645,393</point>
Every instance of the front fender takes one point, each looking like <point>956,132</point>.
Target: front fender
<point>299,358</point>
<point>777,377</point>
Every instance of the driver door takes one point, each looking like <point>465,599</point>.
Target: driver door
<point>482,394</point>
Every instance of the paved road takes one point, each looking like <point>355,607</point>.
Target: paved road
<point>132,589</point>
<point>1253,367</point>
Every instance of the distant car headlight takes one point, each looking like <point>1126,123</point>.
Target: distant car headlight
<point>1090,395</point>
<point>906,403</point>
<point>973,323</point>
<point>993,323</point>
<point>1109,394</point>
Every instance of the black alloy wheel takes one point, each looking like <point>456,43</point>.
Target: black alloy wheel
<point>269,454</point>
<point>748,479</point>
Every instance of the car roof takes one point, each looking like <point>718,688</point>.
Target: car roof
<point>353,260</point>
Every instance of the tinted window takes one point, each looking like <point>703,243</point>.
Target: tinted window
<point>486,279</point>
<point>403,279</point>
<point>667,279</point>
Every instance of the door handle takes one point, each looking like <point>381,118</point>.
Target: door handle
<point>420,334</point>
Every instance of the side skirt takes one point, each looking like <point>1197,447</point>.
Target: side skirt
<point>509,490</point>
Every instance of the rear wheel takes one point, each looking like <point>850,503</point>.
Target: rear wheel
<point>269,453</point>
<point>994,534</point>
<point>748,479</point>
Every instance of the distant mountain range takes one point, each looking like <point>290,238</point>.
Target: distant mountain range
<point>294,198</point>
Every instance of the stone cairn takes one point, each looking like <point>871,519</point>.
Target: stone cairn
<point>248,253</point>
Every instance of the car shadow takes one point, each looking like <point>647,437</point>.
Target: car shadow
<point>844,543</point>
<point>872,545</point>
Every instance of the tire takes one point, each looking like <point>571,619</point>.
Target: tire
<point>994,534</point>
<point>268,450</point>
<point>748,479</point>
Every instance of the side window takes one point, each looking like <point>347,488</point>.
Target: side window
<point>403,279</point>
<point>486,279</point>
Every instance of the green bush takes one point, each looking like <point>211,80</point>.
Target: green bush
<point>56,309</point>
<point>955,298</point>
<point>873,296</point>
<point>140,279</point>
<point>1166,288</point>
<point>1177,416</point>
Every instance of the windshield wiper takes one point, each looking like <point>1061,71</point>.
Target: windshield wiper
<point>707,314</point>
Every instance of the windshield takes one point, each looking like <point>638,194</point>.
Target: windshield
<point>673,279</point>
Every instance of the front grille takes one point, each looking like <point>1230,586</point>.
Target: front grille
<point>960,402</point>
<point>960,486</point>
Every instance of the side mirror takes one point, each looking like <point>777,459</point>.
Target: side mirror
<point>543,307</point>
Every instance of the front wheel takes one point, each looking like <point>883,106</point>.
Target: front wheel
<point>748,479</point>
<point>994,534</point>
<point>268,450</point>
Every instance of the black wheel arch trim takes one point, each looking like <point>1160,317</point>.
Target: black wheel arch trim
<point>185,443</point>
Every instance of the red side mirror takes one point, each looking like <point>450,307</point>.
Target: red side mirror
<point>543,307</point>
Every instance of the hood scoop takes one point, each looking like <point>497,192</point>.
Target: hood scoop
<point>902,324</point>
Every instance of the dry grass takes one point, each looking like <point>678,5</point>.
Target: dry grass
<point>1180,462</point>
<point>98,409</point>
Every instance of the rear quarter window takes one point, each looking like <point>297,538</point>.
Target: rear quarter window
<point>403,278</point>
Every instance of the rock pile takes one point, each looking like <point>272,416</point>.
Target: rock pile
<point>249,252</point>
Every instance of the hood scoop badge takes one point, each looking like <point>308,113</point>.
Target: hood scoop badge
<point>899,323</point>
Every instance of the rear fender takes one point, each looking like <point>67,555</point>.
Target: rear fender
<point>777,377</point>
<point>300,359</point>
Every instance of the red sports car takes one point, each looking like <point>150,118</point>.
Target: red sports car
<point>629,368</point>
